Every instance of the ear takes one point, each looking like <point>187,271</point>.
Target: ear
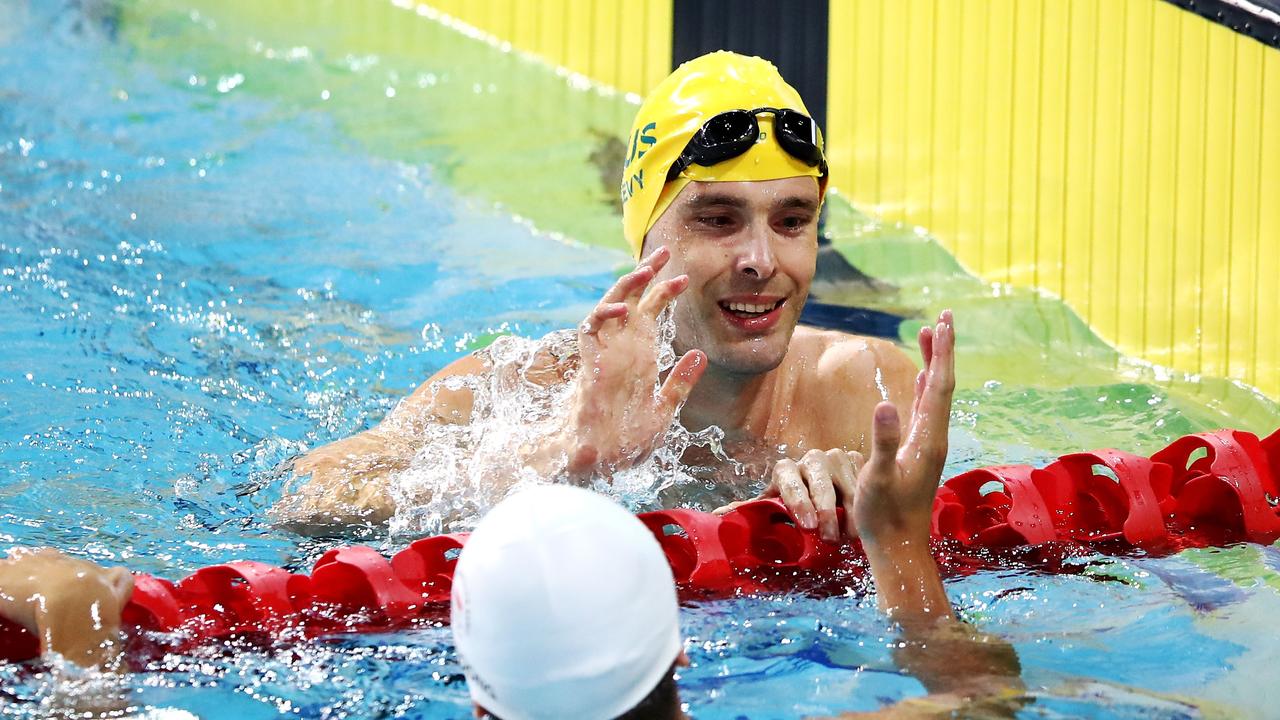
<point>478,711</point>
<point>682,660</point>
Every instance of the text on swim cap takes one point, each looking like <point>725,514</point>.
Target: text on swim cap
<point>641,141</point>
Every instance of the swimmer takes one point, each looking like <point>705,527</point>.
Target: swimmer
<point>564,606</point>
<point>722,189</point>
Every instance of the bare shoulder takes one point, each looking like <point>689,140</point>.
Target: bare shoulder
<point>830,356</point>
<point>841,377</point>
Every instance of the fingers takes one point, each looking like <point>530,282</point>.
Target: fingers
<point>661,295</point>
<point>940,375</point>
<point>629,290</point>
<point>932,412</point>
<point>686,373</point>
<point>120,581</point>
<point>732,506</point>
<point>926,345</point>
<point>926,337</point>
<point>602,313</point>
<point>919,393</point>
<point>795,495</point>
<point>657,259</point>
<point>822,493</point>
<point>886,436</point>
<point>769,492</point>
<point>628,286</point>
<point>845,467</point>
<point>944,351</point>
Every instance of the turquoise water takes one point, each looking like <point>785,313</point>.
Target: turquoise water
<point>201,277</point>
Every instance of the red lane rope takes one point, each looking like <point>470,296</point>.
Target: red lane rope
<point>1202,490</point>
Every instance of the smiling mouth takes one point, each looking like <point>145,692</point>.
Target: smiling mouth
<point>750,310</point>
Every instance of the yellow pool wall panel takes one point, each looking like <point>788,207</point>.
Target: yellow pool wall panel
<point>1124,156</point>
<point>623,44</point>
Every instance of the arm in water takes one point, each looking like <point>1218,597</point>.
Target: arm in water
<point>73,606</point>
<point>613,417</point>
<point>966,672</point>
<point>347,481</point>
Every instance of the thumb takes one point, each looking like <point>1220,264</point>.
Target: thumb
<point>886,435</point>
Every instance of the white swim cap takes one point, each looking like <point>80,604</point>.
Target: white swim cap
<point>563,607</point>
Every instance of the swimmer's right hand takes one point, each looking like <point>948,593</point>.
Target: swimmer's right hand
<point>73,606</point>
<point>616,418</point>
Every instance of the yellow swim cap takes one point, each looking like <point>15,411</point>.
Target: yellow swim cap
<point>677,108</point>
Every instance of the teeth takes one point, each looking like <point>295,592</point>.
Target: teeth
<point>744,307</point>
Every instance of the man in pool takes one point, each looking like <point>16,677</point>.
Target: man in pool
<point>721,194</point>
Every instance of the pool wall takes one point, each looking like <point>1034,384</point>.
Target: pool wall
<point>1122,157</point>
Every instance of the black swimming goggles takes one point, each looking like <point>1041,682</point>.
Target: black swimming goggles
<point>732,133</point>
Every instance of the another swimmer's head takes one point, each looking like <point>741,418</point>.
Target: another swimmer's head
<point>722,117</point>
<point>564,606</point>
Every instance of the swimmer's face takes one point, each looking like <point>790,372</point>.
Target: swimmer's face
<point>749,249</point>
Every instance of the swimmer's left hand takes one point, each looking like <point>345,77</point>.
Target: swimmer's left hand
<point>893,507</point>
<point>813,487</point>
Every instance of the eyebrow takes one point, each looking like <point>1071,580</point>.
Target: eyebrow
<point>710,199</point>
<point>798,202</point>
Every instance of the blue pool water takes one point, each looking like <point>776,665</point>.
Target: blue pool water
<point>196,284</point>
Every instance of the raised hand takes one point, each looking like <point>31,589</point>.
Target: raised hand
<point>894,500</point>
<point>616,418</point>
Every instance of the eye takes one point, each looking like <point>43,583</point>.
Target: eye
<point>715,221</point>
<point>795,222</point>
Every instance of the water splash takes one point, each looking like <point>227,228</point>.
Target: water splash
<point>462,470</point>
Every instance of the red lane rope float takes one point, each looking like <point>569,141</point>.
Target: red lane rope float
<point>1201,490</point>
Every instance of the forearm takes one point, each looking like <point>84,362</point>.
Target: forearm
<point>958,659</point>
<point>345,483</point>
<point>908,587</point>
<point>945,654</point>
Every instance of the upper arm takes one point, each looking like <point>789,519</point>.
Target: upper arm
<point>433,401</point>
<point>347,480</point>
<point>438,400</point>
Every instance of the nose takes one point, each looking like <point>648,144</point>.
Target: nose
<point>756,258</point>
